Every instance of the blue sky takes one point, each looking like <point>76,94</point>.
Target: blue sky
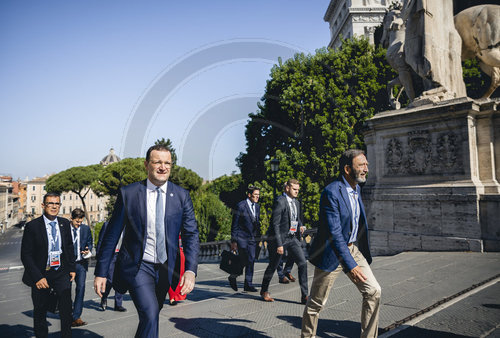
<point>77,77</point>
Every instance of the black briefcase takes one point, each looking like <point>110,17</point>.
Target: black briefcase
<point>231,263</point>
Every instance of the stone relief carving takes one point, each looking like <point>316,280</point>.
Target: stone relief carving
<point>423,153</point>
<point>419,151</point>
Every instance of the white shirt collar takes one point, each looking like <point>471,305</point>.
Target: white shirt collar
<point>47,221</point>
<point>151,186</point>
<point>348,186</point>
<point>288,198</point>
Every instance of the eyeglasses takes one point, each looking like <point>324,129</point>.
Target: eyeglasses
<point>160,163</point>
<point>52,204</point>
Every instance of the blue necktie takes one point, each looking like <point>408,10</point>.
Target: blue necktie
<point>75,242</point>
<point>161,250</point>
<point>55,245</point>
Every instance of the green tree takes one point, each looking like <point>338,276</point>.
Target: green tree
<point>167,143</point>
<point>213,217</point>
<point>77,180</point>
<point>313,109</point>
<point>119,174</point>
<point>230,189</point>
<point>185,178</point>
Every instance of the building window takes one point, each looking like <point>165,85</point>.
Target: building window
<point>92,209</point>
<point>70,209</point>
<point>33,211</point>
<point>33,198</point>
<point>34,188</point>
<point>70,197</point>
<point>64,210</point>
<point>64,197</point>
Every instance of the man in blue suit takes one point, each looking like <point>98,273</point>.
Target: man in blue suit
<point>244,229</point>
<point>82,244</point>
<point>341,244</point>
<point>152,214</point>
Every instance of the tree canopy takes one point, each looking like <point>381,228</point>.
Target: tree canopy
<point>77,180</point>
<point>119,174</point>
<point>313,109</point>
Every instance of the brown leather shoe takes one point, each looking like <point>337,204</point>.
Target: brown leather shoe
<point>78,322</point>
<point>284,280</point>
<point>290,277</point>
<point>266,297</point>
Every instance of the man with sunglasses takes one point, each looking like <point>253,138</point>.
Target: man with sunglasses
<point>49,264</point>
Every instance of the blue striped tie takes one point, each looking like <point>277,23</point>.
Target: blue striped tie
<point>161,251</point>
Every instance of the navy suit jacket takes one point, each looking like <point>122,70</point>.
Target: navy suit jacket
<point>129,215</point>
<point>35,248</point>
<point>85,241</point>
<point>329,247</point>
<point>281,222</point>
<point>245,227</point>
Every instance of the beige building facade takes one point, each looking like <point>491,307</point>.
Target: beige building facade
<point>348,18</point>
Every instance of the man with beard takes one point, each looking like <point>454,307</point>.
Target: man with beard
<point>341,244</point>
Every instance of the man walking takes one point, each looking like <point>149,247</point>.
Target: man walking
<point>244,229</point>
<point>82,244</point>
<point>49,264</point>
<point>109,278</point>
<point>151,213</point>
<point>341,244</point>
<point>284,234</point>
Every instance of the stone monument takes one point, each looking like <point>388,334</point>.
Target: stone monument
<point>435,165</point>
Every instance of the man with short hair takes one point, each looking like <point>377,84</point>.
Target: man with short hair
<point>82,244</point>
<point>244,228</point>
<point>49,264</point>
<point>284,234</point>
<point>341,244</point>
<point>151,214</point>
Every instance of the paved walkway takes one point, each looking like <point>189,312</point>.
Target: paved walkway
<point>410,282</point>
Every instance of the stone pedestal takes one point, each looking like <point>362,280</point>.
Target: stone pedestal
<point>433,175</point>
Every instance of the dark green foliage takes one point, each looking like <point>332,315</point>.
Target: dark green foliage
<point>185,178</point>
<point>314,108</point>
<point>119,174</point>
<point>229,189</point>
<point>476,81</point>
<point>213,217</point>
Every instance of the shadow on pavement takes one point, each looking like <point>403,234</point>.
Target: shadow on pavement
<point>219,327</point>
<point>417,332</point>
<point>328,327</point>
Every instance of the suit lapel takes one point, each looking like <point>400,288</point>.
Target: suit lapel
<point>249,211</point>
<point>142,207</point>
<point>43,230</point>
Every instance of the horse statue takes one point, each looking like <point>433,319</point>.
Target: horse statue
<point>479,28</point>
<point>393,38</point>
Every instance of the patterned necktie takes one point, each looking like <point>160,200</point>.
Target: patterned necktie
<point>294,211</point>
<point>55,244</point>
<point>75,242</point>
<point>161,250</point>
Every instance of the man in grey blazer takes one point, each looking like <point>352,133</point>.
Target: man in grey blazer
<point>284,233</point>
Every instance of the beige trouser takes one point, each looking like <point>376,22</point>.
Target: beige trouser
<point>320,289</point>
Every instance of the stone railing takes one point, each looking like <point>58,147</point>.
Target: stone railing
<point>211,251</point>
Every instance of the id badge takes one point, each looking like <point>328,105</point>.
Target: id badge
<point>293,227</point>
<point>55,259</point>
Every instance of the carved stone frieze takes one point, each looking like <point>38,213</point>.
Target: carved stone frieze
<point>422,152</point>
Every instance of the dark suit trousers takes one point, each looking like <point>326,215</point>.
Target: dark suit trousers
<point>247,256</point>
<point>297,254</point>
<point>81,276</point>
<point>59,281</point>
<point>148,291</point>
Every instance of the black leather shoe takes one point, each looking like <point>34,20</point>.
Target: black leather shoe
<point>303,299</point>
<point>232,282</point>
<point>290,277</point>
<point>284,280</point>
<point>120,309</point>
<point>249,288</point>
<point>104,303</point>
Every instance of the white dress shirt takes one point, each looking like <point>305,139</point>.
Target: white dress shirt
<point>51,240</point>
<point>151,196</point>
